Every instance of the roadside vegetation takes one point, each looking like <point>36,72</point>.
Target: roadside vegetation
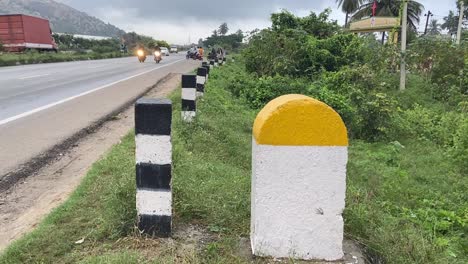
<point>34,57</point>
<point>73,48</point>
<point>407,199</point>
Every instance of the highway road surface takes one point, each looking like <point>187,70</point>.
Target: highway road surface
<point>42,105</point>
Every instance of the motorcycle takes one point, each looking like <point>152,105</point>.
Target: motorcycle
<point>157,56</point>
<point>194,55</point>
<point>141,55</point>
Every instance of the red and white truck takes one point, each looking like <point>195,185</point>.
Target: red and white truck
<point>19,33</point>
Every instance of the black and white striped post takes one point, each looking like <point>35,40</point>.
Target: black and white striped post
<point>153,118</point>
<point>216,62</point>
<point>224,60</point>
<point>201,80</point>
<point>207,67</point>
<point>212,64</point>
<point>189,96</point>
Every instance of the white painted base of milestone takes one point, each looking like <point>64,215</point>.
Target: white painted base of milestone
<point>153,149</point>
<point>154,202</point>
<point>188,116</point>
<point>298,196</point>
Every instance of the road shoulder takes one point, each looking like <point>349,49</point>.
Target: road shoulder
<point>25,204</point>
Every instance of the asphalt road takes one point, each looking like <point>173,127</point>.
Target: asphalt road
<point>42,105</point>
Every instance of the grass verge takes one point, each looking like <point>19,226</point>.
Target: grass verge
<point>403,202</point>
<point>10,59</point>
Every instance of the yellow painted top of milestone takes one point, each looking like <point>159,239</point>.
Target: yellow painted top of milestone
<point>299,120</point>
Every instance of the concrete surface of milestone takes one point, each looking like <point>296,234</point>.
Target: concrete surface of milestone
<point>42,105</point>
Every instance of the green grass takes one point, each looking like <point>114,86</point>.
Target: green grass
<point>406,204</point>
<point>11,59</point>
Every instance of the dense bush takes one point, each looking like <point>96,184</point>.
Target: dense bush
<point>293,52</point>
<point>406,191</point>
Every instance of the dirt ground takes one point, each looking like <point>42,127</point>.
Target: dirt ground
<point>24,205</point>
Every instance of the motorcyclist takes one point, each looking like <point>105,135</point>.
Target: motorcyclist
<point>201,51</point>
<point>220,53</point>
<point>212,55</point>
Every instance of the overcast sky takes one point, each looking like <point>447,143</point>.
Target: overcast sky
<point>178,20</point>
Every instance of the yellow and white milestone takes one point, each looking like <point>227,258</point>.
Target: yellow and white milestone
<point>299,157</point>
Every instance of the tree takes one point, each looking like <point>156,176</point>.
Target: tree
<point>348,7</point>
<point>284,20</point>
<point>451,23</point>
<point>434,27</point>
<point>391,8</point>
<point>223,29</point>
<point>317,25</point>
<point>230,42</point>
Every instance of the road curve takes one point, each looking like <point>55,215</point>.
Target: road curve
<point>43,105</point>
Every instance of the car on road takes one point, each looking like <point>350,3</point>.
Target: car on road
<point>174,49</point>
<point>165,51</point>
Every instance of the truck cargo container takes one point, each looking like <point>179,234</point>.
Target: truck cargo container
<point>21,32</point>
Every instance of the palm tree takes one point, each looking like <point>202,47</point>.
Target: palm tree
<point>434,27</point>
<point>451,23</point>
<point>391,8</point>
<point>348,7</point>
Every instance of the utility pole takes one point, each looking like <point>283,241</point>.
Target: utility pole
<point>404,25</point>
<point>460,21</point>
<point>429,14</point>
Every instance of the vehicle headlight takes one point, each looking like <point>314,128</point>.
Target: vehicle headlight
<point>140,53</point>
<point>157,53</point>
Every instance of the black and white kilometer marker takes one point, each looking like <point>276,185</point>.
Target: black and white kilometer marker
<point>189,96</point>
<point>201,80</point>
<point>153,118</point>
<point>207,67</point>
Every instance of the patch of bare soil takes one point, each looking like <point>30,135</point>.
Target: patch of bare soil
<point>25,204</point>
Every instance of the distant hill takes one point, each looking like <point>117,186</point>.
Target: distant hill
<point>63,18</point>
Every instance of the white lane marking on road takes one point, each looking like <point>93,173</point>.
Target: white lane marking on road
<point>95,67</point>
<point>28,113</point>
<point>34,76</point>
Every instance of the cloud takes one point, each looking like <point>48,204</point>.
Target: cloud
<point>176,20</point>
<point>176,10</point>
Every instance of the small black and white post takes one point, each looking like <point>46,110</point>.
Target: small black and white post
<point>224,60</point>
<point>201,80</point>
<point>212,64</point>
<point>207,67</point>
<point>153,118</point>
<point>189,97</point>
<point>216,63</point>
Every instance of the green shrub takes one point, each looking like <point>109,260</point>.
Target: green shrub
<point>460,145</point>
